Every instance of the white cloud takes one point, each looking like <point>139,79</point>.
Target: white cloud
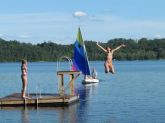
<point>24,36</point>
<point>61,26</point>
<point>79,14</point>
<point>159,36</point>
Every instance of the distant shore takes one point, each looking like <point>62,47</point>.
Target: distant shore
<point>142,49</point>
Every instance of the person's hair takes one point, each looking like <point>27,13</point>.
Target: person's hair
<point>108,48</point>
<point>23,61</point>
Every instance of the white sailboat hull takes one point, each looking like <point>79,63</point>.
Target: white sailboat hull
<point>90,80</point>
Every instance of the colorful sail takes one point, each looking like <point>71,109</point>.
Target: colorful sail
<point>80,59</point>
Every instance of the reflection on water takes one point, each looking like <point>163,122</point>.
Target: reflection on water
<point>25,117</point>
<point>85,92</point>
<point>135,94</point>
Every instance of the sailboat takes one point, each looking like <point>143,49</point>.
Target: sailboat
<point>80,60</point>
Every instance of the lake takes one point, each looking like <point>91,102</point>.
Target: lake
<point>134,94</point>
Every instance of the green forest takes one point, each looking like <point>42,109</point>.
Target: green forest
<point>142,49</point>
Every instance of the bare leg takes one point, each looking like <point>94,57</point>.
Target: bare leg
<point>24,86</point>
<point>111,69</point>
<point>22,91</point>
<point>106,67</point>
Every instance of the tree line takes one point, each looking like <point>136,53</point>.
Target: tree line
<point>142,49</point>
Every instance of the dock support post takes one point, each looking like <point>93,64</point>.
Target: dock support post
<point>61,84</point>
<point>36,101</point>
<point>72,77</point>
<point>24,103</point>
<point>72,85</point>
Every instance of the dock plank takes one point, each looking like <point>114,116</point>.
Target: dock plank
<point>44,99</point>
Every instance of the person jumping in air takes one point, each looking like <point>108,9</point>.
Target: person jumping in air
<point>108,62</point>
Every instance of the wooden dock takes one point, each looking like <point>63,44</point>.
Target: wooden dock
<point>38,100</point>
<point>46,99</point>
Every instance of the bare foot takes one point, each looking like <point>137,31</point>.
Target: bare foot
<point>25,97</point>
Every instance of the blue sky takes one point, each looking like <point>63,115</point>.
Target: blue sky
<point>36,21</point>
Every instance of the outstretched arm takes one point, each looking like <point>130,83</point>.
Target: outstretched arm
<point>118,47</point>
<point>101,47</point>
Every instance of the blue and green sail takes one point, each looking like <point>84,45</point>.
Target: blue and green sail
<point>80,58</point>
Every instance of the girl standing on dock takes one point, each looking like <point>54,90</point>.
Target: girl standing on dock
<point>24,78</point>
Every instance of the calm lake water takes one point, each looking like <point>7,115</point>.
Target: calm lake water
<point>135,94</point>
